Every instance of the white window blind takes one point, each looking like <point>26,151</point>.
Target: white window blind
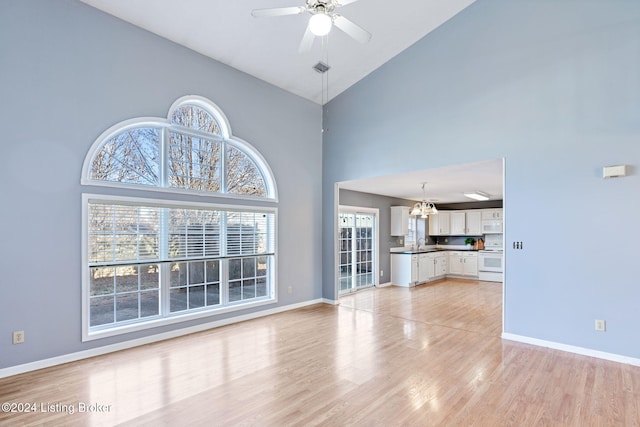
<point>250,233</point>
<point>194,233</point>
<point>121,233</point>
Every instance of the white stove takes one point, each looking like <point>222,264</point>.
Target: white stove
<point>491,259</point>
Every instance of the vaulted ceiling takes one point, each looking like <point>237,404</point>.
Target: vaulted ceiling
<point>267,48</point>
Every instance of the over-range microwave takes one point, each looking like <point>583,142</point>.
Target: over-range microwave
<point>491,226</point>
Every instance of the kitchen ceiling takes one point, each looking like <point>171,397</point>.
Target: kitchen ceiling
<point>444,185</point>
<point>267,48</point>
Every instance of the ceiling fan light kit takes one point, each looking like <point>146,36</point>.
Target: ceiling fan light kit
<point>321,21</point>
<point>320,24</point>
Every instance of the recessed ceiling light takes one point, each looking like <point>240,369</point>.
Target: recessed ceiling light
<point>477,195</point>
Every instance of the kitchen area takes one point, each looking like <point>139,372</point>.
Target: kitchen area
<point>426,218</point>
<point>438,244</point>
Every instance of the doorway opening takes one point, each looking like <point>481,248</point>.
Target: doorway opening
<point>447,186</point>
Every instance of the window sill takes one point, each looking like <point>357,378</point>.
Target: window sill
<point>88,335</point>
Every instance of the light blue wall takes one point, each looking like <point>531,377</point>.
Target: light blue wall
<point>553,87</point>
<point>67,73</point>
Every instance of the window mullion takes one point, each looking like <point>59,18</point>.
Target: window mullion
<point>165,267</point>
<point>164,158</point>
<point>223,167</point>
<point>165,275</point>
<point>224,261</point>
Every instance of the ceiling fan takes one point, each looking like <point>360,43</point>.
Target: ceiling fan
<point>323,18</point>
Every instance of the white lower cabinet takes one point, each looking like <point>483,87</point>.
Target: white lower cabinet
<point>470,263</point>
<point>463,263</point>
<point>441,264</point>
<point>404,269</point>
<point>425,268</point>
<point>413,269</point>
<point>455,263</point>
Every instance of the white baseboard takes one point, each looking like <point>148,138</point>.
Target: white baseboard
<point>98,351</point>
<point>382,285</point>
<point>85,354</point>
<point>572,349</point>
<point>330,301</point>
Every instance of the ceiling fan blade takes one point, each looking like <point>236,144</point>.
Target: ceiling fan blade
<point>307,41</point>
<point>353,30</point>
<point>344,2</point>
<point>278,11</point>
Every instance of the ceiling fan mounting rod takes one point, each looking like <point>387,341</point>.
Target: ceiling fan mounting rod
<point>320,6</point>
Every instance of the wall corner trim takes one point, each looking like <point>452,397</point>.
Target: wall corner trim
<point>572,349</point>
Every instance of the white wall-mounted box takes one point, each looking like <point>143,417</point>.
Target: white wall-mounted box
<point>614,171</point>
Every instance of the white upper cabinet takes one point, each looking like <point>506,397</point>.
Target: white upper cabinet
<point>474,222</point>
<point>471,222</point>
<point>399,220</point>
<point>439,224</point>
<point>458,223</point>
<point>491,214</point>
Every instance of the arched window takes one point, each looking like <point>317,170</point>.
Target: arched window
<point>151,261</point>
<point>190,151</point>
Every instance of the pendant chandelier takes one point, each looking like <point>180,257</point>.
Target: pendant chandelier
<point>424,208</point>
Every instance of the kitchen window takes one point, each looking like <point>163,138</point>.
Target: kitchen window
<point>416,231</point>
<point>151,261</point>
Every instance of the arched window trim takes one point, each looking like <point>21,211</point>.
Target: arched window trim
<point>225,137</point>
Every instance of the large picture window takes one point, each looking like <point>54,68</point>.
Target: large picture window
<point>151,261</point>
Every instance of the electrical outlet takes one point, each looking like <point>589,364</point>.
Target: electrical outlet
<point>18,337</point>
<point>381,273</point>
<point>601,325</point>
<point>290,290</point>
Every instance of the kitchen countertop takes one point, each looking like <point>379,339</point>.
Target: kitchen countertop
<point>431,249</point>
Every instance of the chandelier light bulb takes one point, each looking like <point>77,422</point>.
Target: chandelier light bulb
<point>320,24</point>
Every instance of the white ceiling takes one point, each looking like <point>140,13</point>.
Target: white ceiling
<point>444,185</point>
<point>267,48</point>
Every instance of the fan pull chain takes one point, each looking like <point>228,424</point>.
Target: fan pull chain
<point>325,82</point>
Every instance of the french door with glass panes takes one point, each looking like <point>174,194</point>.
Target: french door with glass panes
<point>357,249</point>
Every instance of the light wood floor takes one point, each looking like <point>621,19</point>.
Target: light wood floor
<point>426,356</point>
